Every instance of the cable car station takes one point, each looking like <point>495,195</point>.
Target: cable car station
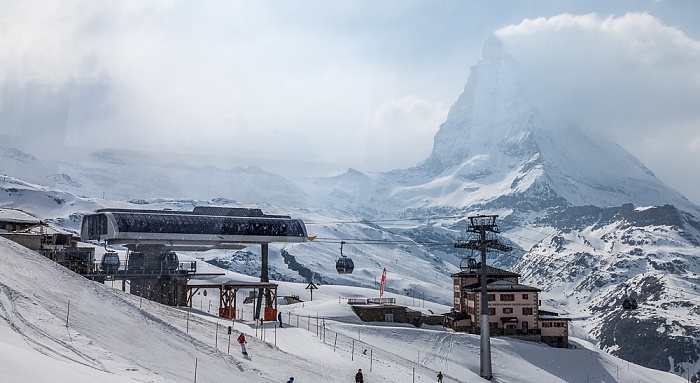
<point>152,237</point>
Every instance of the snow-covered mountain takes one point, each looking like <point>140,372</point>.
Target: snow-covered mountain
<point>589,223</point>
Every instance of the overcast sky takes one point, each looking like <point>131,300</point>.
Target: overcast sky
<point>315,87</point>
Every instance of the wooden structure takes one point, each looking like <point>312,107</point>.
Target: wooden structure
<point>228,301</point>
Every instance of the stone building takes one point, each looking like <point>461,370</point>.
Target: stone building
<point>513,308</point>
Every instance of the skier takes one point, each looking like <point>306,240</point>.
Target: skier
<point>358,377</point>
<point>242,342</point>
<point>439,376</point>
<point>279,318</point>
<point>291,380</point>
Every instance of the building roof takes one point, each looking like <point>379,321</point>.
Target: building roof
<point>501,285</point>
<point>550,315</point>
<point>48,230</point>
<point>17,216</point>
<point>491,271</point>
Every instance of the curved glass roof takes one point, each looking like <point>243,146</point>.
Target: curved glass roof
<point>212,225</point>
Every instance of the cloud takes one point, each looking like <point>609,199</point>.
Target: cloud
<point>631,78</point>
<point>403,131</point>
<point>232,78</point>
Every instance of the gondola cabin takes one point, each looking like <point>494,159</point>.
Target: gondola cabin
<point>344,264</point>
<point>469,264</point>
<point>629,304</point>
<point>110,262</point>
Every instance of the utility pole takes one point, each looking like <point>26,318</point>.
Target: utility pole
<point>481,225</point>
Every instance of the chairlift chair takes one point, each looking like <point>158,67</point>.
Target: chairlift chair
<point>344,264</point>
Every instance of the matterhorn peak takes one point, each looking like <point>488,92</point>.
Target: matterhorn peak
<point>495,139</point>
<point>492,112</point>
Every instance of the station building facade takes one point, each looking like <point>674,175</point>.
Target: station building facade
<point>513,308</point>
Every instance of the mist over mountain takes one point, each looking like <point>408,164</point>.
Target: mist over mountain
<point>589,223</point>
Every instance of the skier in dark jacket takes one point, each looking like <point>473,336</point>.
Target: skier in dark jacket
<point>358,377</point>
<point>440,377</point>
<point>279,318</point>
<point>291,380</point>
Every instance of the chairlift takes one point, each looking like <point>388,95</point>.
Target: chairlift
<point>344,264</point>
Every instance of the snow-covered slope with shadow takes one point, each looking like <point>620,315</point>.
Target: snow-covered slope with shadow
<point>56,325</point>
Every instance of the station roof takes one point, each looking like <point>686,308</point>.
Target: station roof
<point>17,216</point>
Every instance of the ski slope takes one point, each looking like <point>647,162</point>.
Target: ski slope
<point>106,335</point>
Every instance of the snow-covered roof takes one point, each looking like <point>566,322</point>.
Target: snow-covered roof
<point>490,272</point>
<point>17,216</point>
<point>46,229</point>
<point>502,285</point>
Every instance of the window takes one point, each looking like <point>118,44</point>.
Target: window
<point>507,310</point>
<point>456,301</point>
<point>492,311</point>
<point>527,310</point>
<point>492,297</point>
<point>507,297</point>
<point>557,324</point>
<point>546,324</point>
<point>525,296</point>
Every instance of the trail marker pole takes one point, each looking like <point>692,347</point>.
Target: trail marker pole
<point>68,313</point>
<point>335,342</point>
<point>195,370</point>
<point>216,337</point>
<point>188,321</point>
<point>352,353</point>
